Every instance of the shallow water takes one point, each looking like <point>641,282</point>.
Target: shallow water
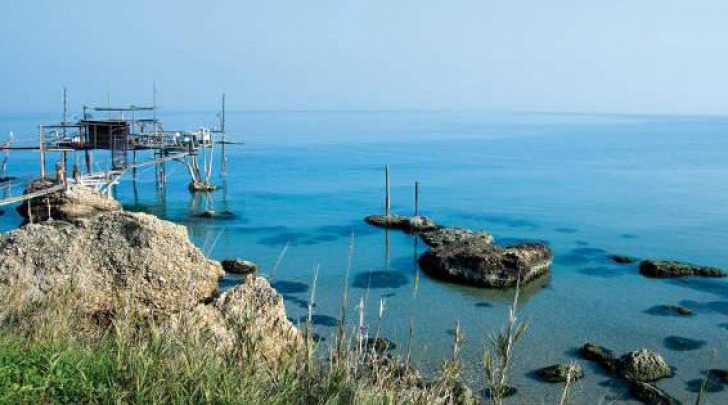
<point>588,185</point>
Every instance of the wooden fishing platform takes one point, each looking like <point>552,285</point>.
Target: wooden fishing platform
<point>123,132</point>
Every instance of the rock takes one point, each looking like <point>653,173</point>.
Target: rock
<point>599,354</point>
<point>199,186</point>
<point>379,344</point>
<point>109,258</point>
<point>643,366</point>
<point>651,395</point>
<point>414,224</point>
<point>621,259</point>
<point>73,203</point>
<point>559,373</point>
<point>212,214</point>
<point>253,310</point>
<point>669,310</point>
<point>672,269</point>
<point>447,236</point>
<point>239,266</point>
<point>476,262</point>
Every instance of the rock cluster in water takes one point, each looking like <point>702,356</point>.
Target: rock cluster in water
<point>672,269</point>
<point>640,368</point>
<point>119,260</point>
<point>471,257</point>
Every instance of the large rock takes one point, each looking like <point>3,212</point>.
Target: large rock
<point>76,201</point>
<point>447,236</point>
<point>672,269</point>
<point>414,224</point>
<point>643,366</point>
<point>253,310</point>
<point>477,262</point>
<point>150,261</point>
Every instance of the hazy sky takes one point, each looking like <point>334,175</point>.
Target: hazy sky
<point>651,56</point>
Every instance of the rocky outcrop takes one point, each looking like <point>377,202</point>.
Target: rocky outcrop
<point>76,201</point>
<point>474,261</point>
<point>416,224</point>
<point>253,310</point>
<point>672,269</point>
<point>122,263</point>
<point>448,236</point>
<point>108,256</point>
<point>239,266</point>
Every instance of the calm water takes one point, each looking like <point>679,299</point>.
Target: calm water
<point>587,185</point>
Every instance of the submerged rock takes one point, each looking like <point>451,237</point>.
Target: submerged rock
<point>560,373</point>
<point>672,269</point>
<point>599,354</point>
<point>212,214</point>
<point>474,261</point>
<point>669,310</point>
<point>239,266</point>
<point>621,259</point>
<point>447,236</point>
<point>683,344</point>
<point>414,224</point>
<point>651,395</point>
<point>643,366</point>
<point>75,202</point>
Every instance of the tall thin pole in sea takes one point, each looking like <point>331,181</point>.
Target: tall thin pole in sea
<point>387,201</point>
<point>222,130</point>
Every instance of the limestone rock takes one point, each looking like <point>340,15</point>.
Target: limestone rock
<point>254,310</point>
<point>447,236</point>
<point>414,224</point>
<point>75,202</point>
<point>112,260</point>
<point>643,366</point>
<point>476,262</point>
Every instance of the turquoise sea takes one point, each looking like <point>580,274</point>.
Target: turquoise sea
<point>588,185</point>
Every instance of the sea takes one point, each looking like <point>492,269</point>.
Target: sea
<point>298,184</point>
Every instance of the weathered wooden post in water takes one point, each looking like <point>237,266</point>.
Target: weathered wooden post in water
<point>387,201</point>
<point>42,152</point>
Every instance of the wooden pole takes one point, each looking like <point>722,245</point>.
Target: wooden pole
<point>417,198</point>
<point>387,201</point>
<point>41,140</point>
<point>222,129</point>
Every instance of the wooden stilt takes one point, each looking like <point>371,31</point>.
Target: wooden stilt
<point>417,198</point>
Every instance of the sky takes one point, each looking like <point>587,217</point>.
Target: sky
<point>612,56</point>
